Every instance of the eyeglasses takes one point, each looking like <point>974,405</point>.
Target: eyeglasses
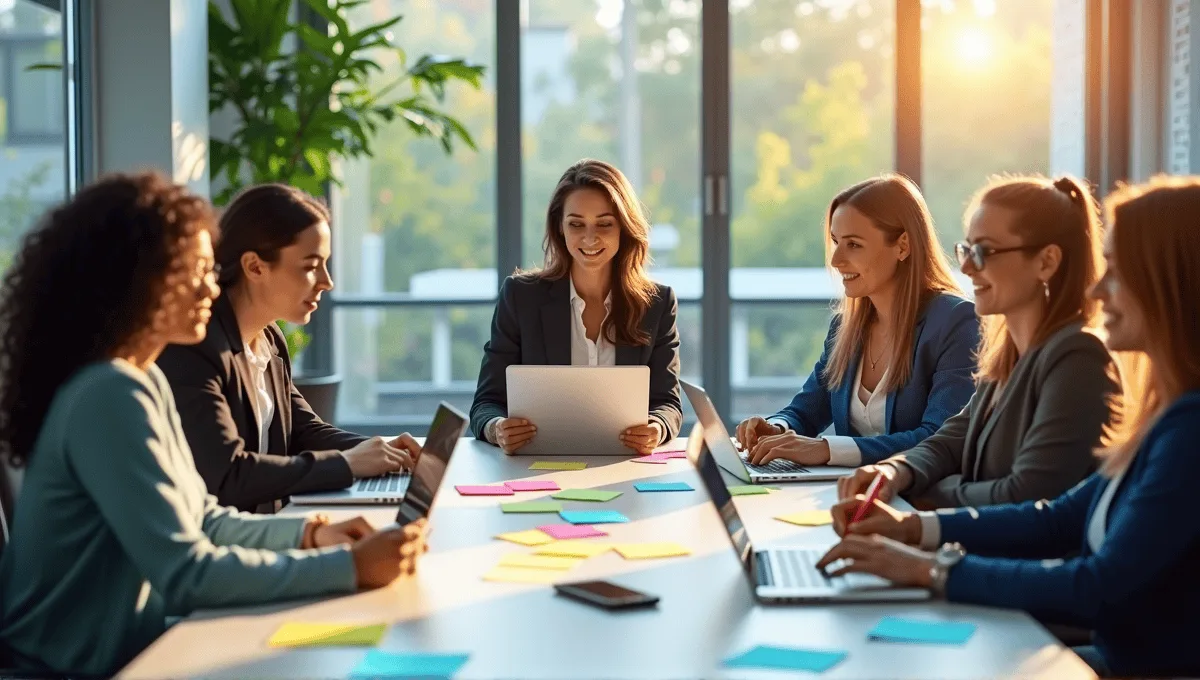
<point>978,254</point>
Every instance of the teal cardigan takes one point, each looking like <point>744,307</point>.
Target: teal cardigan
<point>114,531</point>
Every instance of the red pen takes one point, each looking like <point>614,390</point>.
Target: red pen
<point>872,494</point>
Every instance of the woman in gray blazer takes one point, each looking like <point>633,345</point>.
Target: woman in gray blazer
<point>1048,389</point>
<point>593,304</point>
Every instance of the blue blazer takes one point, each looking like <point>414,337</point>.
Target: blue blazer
<point>944,343</point>
<point>1138,592</point>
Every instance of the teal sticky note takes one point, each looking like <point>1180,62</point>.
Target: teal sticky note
<point>663,486</point>
<point>593,516</point>
<point>786,659</point>
<point>895,629</point>
<point>380,664</point>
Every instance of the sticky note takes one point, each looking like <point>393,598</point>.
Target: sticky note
<point>533,485</point>
<point>895,629</point>
<point>645,551</point>
<point>300,634</point>
<point>653,459</point>
<point>515,575</point>
<point>594,495</point>
<point>557,465</point>
<point>564,531</point>
<point>468,490</point>
<point>786,659</point>
<point>531,537</point>
<point>381,664</point>
<point>748,490</point>
<point>523,561</point>
<point>531,506</point>
<point>593,516</point>
<point>671,455</point>
<point>808,518</point>
<point>579,549</point>
<point>663,486</point>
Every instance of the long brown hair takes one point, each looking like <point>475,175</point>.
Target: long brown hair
<point>633,292</point>
<point>1156,246</point>
<point>895,206</point>
<point>1047,212</point>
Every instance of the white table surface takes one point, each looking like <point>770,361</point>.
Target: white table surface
<point>706,612</point>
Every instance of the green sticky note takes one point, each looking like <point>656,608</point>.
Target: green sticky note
<point>594,495</point>
<point>748,490</point>
<point>557,465</point>
<point>531,506</point>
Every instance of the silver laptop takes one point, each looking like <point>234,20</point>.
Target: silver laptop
<point>448,425</point>
<point>728,457</point>
<point>579,410</point>
<point>784,575</point>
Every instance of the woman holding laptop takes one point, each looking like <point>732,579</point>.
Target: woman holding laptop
<point>899,354</point>
<point>591,304</point>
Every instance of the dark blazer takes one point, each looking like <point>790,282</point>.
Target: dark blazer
<point>1138,592</point>
<point>1037,442</point>
<point>532,326</point>
<point>212,394</point>
<point>944,342</point>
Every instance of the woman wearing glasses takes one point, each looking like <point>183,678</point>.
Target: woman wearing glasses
<point>1047,390</point>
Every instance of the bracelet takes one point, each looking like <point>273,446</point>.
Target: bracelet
<point>315,522</point>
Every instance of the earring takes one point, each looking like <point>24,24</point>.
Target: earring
<point>1046,290</point>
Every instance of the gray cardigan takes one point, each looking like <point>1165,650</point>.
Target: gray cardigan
<point>1038,441</point>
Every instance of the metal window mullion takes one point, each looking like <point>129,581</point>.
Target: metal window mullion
<point>508,137</point>
<point>715,247</point>
<point>908,89</point>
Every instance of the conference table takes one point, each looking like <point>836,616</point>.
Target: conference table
<point>516,630</point>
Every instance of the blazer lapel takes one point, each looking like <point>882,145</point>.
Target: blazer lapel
<point>890,408</point>
<point>990,423</point>
<point>556,324</point>
<point>839,401</point>
<point>281,424</point>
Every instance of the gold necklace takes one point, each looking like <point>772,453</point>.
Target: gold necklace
<point>875,362</point>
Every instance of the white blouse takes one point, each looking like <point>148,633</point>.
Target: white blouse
<point>584,352</point>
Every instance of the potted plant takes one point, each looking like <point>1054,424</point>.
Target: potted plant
<point>305,98</point>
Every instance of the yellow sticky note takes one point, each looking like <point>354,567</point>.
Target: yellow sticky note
<point>574,548</point>
<point>514,575</point>
<point>299,634</point>
<point>557,465</point>
<point>808,518</point>
<point>523,561</point>
<point>531,537</point>
<point>643,551</point>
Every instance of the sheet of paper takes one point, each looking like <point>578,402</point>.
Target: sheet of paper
<point>532,506</point>
<point>574,548</point>
<point>645,551</point>
<point>516,575</point>
<point>808,518</point>
<point>533,485</point>
<point>531,537</point>
<point>748,490</point>
<point>380,664</point>
<point>303,634</point>
<point>786,659</point>
<point>557,465</point>
<point>523,561</point>
<point>663,486</point>
<point>476,490</point>
<point>593,516</point>
<point>895,629</point>
<point>593,495</point>
<point>565,531</point>
<point>653,459</point>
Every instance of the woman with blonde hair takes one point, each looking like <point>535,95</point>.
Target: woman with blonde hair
<point>592,304</point>
<point>897,360</point>
<point>1133,582</point>
<point>1047,389</point>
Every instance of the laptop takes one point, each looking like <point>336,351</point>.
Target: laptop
<point>448,425</point>
<point>784,575</point>
<point>579,410</point>
<point>727,456</point>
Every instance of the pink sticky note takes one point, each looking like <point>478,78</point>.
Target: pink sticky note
<point>484,490</point>
<point>533,486</point>
<point>652,458</point>
<point>566,531</point>
<point>671,454</point>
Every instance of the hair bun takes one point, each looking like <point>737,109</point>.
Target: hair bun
<point>1069,187</point>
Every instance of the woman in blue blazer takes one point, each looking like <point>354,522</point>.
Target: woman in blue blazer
<point>1133,523</point>
<point>898,358</point>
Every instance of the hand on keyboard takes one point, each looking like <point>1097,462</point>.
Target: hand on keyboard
<point>790,446</point>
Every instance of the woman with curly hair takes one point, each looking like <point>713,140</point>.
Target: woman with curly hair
<point>114,530</point>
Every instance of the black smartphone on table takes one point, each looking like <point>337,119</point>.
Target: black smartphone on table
<point>606,594</point>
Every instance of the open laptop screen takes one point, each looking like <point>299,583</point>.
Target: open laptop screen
<point>710,474</point>
<point>448,425</point>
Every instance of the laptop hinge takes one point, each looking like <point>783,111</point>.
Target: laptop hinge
<point>762,565</point>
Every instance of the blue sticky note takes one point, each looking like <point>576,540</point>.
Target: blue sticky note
<point>593,516</point>
<point>894,629</point>
<point>786,659</point>
<point>380,664</point>
<point>663,486</point>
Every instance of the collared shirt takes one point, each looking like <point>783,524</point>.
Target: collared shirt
<point>1098,527</point>
<point>255,358</point>
<point>584,352</point>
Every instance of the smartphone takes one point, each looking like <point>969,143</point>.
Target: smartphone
<point>606,594</point>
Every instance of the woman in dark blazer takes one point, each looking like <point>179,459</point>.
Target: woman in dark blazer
<point>254,437</point>
<point>1048,389</point>
<point>1133,523</point>
<point>899,354</point>
<point>593,304</point>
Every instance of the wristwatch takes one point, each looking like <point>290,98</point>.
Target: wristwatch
<point>944,560</point>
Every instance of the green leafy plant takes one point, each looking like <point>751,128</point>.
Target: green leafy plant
<point>296,337</point>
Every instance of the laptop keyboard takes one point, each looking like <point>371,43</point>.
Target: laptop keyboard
<point>795,569</point>
<point>775,467</point>
<point>393,482</point>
